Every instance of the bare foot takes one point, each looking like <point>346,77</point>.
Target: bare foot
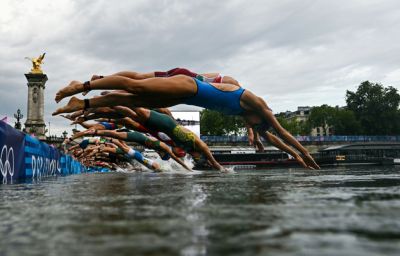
<point>73,88</point>
<point>74,104</point>
<point>226,171</point>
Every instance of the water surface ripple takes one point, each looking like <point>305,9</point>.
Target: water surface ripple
<point>335,211</point>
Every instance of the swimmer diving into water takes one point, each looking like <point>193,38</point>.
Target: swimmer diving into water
<point>157,92</point>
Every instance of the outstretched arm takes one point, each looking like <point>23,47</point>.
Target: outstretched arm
<point>109,150</point>
<point>81,134</point>
<point>75,136</point>
<point>275,141</point>
<point>113,134</point>
<point>87,125</point>
<point>96,116</point>
<point>310,162</point>
<point>177,159</point>
<point>203,148</point>
<point>128,112</point>
<point>73,147</point>
<point>250,134</point>
<point>253,137</point>
<point>257,142</point>
<point>131,124</point>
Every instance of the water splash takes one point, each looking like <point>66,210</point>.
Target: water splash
<point>169,166</point>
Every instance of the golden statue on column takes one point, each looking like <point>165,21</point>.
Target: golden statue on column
<point>36,62</point>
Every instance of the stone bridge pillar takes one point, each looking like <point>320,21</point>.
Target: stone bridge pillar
<point>35,120</point>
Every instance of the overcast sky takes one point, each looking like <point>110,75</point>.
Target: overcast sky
<point>291,53</point>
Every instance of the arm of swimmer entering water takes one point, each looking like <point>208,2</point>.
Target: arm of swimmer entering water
<point>128,112</point>
<point>163,146</point>
<point>87,126</point>
<point>308,160</point>
<point>275,141</point>
<point>202,147</point>
<point>254,138</point>
<point>136,155</point>
<point>167,149</point>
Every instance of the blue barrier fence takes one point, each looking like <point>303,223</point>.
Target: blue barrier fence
<point>236,139</point>
<point>24,157</point>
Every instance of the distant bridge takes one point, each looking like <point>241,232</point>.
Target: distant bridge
<point>306,140</point>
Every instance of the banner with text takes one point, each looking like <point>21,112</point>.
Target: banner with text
<point>23,156</point>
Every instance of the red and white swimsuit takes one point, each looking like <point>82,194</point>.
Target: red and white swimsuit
<point>187,72</point>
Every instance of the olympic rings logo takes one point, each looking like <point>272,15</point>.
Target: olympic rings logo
<point>7,161</point>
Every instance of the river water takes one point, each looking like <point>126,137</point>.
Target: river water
<point>334,211</point>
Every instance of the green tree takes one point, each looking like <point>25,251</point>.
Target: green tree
<point>346,123</point>
<point>322,116</point>
<point>304,128</point>
<point>293,126</point>
<point>376,108</point>
<point>216,123</point>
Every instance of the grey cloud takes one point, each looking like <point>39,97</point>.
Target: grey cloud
<point>289,52</point>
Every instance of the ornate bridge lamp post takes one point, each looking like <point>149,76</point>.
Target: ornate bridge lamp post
<point>18,116</point>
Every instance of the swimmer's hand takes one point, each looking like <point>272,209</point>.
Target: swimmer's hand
<point>163,168</point>
<point>227,170</point>
<point>156,167</point>
<point>259,146</point>
<point>300,160</point>
<point>309,160</point>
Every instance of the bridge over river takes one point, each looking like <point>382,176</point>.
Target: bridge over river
<point>314,143</point>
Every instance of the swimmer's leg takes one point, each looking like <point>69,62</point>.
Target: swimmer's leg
<point>181,86</point>
<point>118,99</point>
<point>134,75</point>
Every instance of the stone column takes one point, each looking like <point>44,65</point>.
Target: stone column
<point>35,119</point>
